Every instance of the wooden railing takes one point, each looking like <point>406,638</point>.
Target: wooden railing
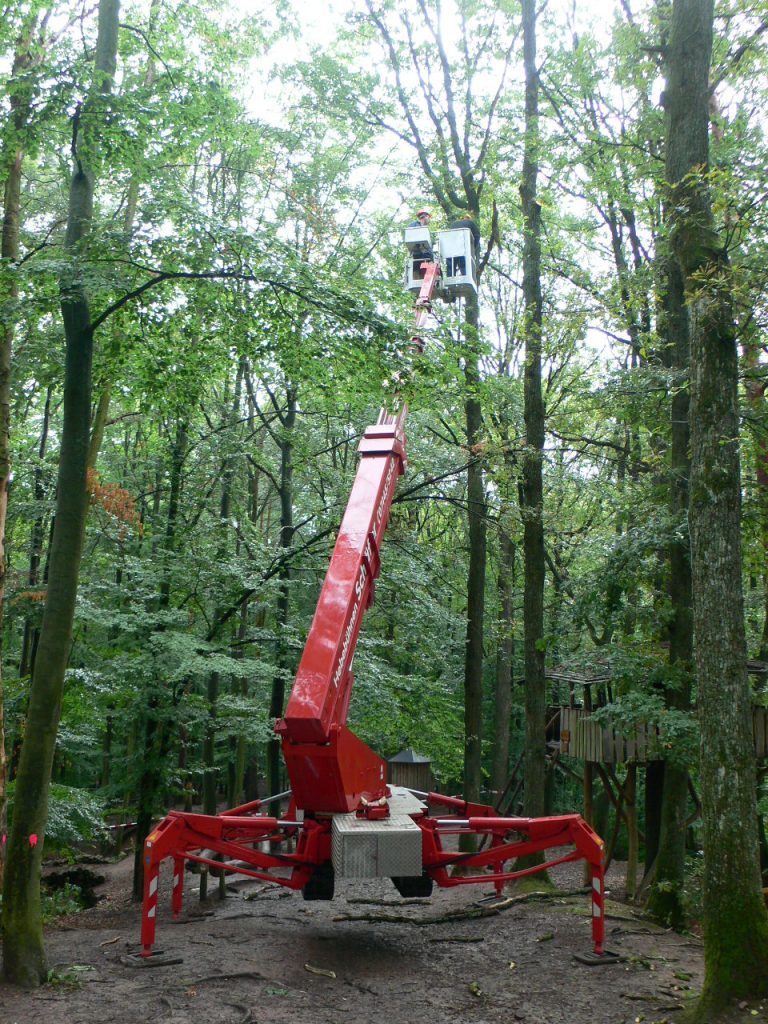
<point>580,736</point>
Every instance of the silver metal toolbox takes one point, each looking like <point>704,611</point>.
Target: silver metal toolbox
<point>376,849</point>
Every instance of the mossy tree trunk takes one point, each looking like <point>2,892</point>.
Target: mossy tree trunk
<point>735,918</point>
<point>532,491</point>
<point>23,950</point>
<point>20,94</point>
<point>665,900</point>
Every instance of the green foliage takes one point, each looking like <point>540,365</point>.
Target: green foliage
<point>60,903</point>
<point>260,261</point>
<point>642,685</point>
<point>692,892</point>
<point>74,816</point>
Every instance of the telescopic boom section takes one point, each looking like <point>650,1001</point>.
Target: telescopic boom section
<point>330,769</point>
<point>322,690</point>
<point>317,709</point>
<point>424,302</point>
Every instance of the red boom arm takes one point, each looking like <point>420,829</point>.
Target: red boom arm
<point>328,766</point>
<point>322,690</point>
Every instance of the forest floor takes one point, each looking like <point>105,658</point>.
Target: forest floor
<point>265,956</point>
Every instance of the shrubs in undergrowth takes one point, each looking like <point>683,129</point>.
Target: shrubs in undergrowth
<point>62,901</point>
<point>74,816</point>
<point>59,902</point>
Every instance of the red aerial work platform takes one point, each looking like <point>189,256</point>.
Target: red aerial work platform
<point>345,820</point>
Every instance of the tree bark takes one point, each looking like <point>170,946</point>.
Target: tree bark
<point>735,918</point>
<point>154,739</point>
<point>37,533</point>
<point>504,661</point>
<point>755,388</point>
<point>665,900</point>
<point>476,512</point>
<point>211,773</point>
<point>533,487</point>
<point>20,96</point>
<point>288,422</point>
<point>131,205</point>
<point>23,950</point>
<point>238,744</point>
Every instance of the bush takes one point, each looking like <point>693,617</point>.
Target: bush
<point>74,816</point>
<point>59,902</point>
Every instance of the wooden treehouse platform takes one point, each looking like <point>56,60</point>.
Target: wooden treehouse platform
<point>572,730</point>
<point>573,733</point>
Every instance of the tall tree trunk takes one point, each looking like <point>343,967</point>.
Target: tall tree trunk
<point>476,510</point>
<point>131,205</point>
<point>456,177</point>
<point>238,744</point>
<point>666,896</point>
<point>288,422</point>
<point>735,918</point>
<point>13,153</point>
<point>755,388</point>
<point>23,951</point>
<point>31,631</point>
<point>533,488</point>
<point>210,774</point>
<point>633,840</point>
<point>154,740</point>
<point>504,661</point>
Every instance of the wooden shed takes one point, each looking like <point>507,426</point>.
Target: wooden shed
<point>411,770</point>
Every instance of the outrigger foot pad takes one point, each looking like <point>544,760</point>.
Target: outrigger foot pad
<point>598,959</point>
<point>157,958</point>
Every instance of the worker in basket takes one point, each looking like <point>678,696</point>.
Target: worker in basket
<point>423,251</point>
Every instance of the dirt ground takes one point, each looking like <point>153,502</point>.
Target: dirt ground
<point>265,956</point>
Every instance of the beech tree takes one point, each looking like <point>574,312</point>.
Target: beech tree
<point>13,158</point>
<point>532,491</point>
<point>23,950</point>
<point>735,917</point>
